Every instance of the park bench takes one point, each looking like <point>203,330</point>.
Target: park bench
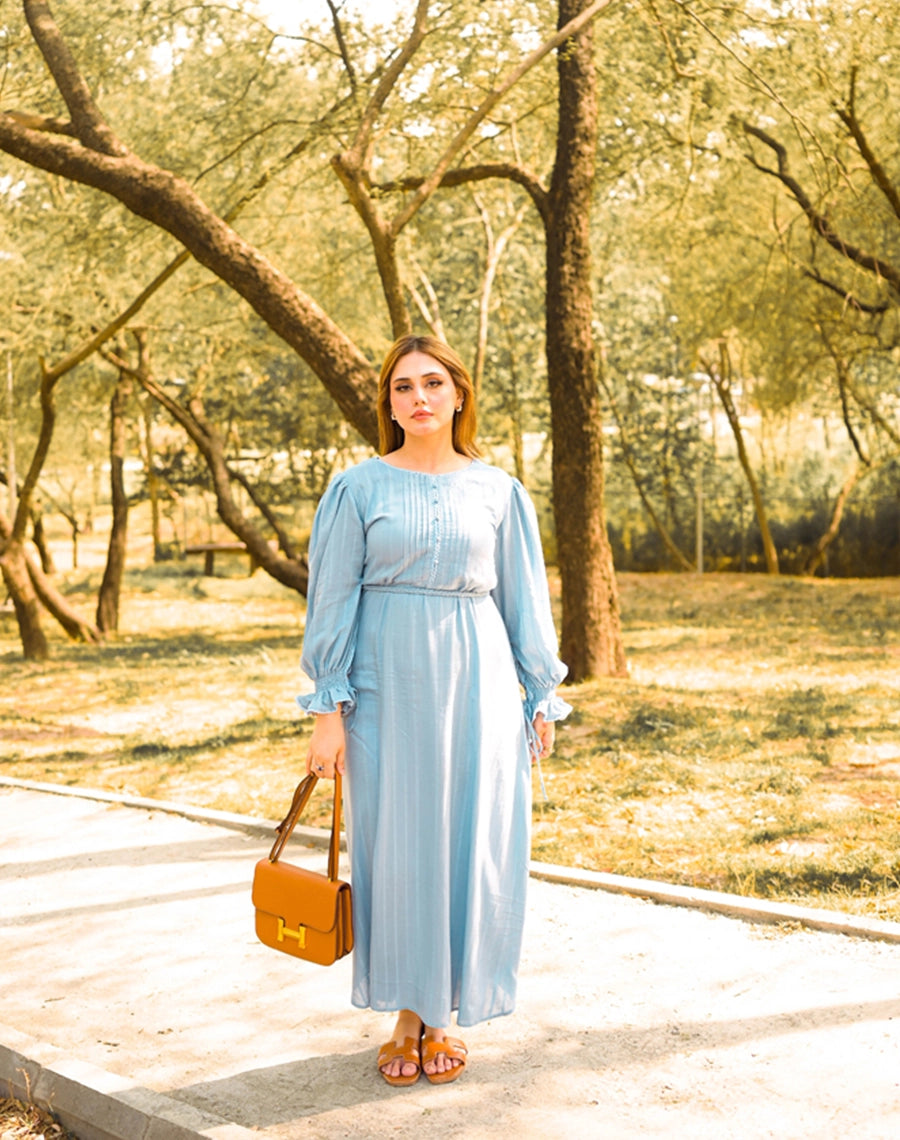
<point>209,550</point>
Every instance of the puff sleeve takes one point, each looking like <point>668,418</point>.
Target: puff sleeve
<point>523,598</point>
<point>336,558</point>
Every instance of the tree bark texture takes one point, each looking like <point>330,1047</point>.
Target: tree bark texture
<point>592,643</point>
<point>38,586</point>
<point>14,566</point>
<point>111,586</point>
<point>39,538</point>
<point>28,586</point>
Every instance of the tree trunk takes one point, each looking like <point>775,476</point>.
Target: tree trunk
<point>39,539</point>
<point>818,552</point>
<point>14,566</point>
<point>628,455</point>
<point>285,543</point>
<point>721,378</point>
<point>290,572</point>
<point>25,581</point>
<point>47,594</point>
<point>111,586</point>
<point>592,643</point>
<point>147,458</point>
<point>57,606</point>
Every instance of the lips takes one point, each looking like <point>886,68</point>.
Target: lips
<point>422,415</point>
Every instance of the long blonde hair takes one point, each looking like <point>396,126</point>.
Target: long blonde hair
<point>390,434</point>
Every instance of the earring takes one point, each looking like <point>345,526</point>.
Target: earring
<point>459,407</point>
<point>393,417</point>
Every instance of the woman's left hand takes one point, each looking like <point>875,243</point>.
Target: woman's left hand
<point>546,732</point>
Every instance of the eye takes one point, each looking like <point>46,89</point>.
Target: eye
<point>402,387</point>
<point>436,382</point>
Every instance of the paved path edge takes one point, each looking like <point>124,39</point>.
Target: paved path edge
<point>668,894</point>
<point>95,1104</point>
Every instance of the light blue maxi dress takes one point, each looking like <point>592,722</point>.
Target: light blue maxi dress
<point>427,609</point>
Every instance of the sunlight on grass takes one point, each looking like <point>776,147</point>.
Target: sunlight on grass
<point>755,746</point>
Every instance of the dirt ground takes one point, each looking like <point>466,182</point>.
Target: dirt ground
<point>127,942</point>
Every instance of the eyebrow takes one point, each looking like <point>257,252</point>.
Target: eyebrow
<point>425,376</point>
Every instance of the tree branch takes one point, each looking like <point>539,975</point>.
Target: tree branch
<point>853,301</point>
<point>353,169</point>
<point>42,123</point>
<point>816,556</point>
<point>171,204</point>
<point>93,343</point>
<point>721,379</point>
<point>820,223</point>
<point>843,376</point>
<point>288,570</point>
<point>872,411</point>
<point>630,463</point>
<point>431,182</point>
<point>849,118</point>
<point>360,149</point>
<point>87,122</point>
<point>429,306</point>
<point>478,173</point>
<point>342,45</point>
<point>495,249</point>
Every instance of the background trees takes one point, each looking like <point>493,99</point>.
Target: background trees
<point>696,206</point>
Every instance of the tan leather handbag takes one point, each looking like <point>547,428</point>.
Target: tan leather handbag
<point>300,912</point>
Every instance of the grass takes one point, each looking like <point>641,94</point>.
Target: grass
<point>20,1121</point>
<point>755,746</point>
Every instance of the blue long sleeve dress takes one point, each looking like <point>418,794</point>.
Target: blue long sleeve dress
<point>428,615</point>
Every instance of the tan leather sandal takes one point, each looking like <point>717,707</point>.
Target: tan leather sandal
<point>408,1053</point>
<point>452,1048</point>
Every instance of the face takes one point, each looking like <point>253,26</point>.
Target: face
<point>423,396</point>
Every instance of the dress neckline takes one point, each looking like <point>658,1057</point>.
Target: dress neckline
<point>427,474</point>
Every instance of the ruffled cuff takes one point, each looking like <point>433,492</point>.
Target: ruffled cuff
<point>332,691</point>
<point>552,706</point>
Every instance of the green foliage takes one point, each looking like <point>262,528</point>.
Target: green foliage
<point>695,247</point>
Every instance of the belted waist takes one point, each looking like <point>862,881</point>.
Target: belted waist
<point>401,588</point>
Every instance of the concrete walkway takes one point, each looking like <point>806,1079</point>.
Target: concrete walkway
<point>135,999</point>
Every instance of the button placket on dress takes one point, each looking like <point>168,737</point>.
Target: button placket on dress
<point>435,516</point>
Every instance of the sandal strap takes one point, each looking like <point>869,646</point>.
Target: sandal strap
<point>407,1051</point>
<point>452,1047</point>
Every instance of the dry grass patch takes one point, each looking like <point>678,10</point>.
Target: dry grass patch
<point>20,1121</point>
<point>754,748</point>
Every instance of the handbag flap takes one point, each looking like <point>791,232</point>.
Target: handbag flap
<point>297,896</point>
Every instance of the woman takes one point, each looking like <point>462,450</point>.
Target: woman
<point>427,608</point>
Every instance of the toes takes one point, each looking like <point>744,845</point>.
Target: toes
<point>440,1064</point>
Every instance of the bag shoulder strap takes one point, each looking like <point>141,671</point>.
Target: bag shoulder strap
<point>301,797</point>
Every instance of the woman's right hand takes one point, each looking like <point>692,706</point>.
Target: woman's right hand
<point>326,747</point>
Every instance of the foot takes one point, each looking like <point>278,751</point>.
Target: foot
<point>395,1061</point>
<point>443,1057</point>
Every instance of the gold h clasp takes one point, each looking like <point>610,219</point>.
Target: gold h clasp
<point>286,932</point>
